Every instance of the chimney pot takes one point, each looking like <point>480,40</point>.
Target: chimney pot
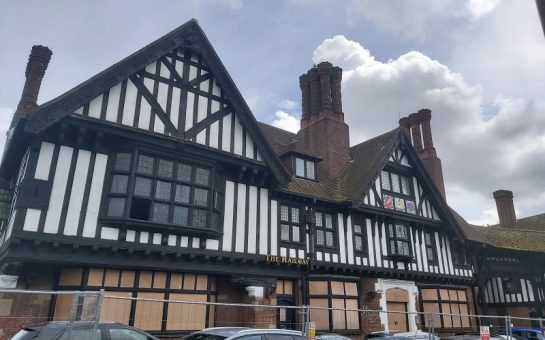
<point>406,126</point>
<point>425,117</point>
<point>506,208</point>
<point>414,120</point>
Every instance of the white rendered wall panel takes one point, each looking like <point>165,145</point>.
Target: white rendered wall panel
<point>95,106</point>
<point>112,107</point>
<point>370,246</point>
<point>175,106</point>
<point>58,191</point>
<point>238,136</point>
<point>45,158</point>
<point>214,135</point>
<point>341,235</point>
<point>241,218</point>
<point>129,107</point>
<point>93,205</point>
<point>32,219</point>
<point>263,221</point>
<point>228,216</point>
<point>189,110</point>
<point>349,239</point>
<point>226,133</point>
<point>274,227</point>
<point>252,220</point>
<point>78,193</point>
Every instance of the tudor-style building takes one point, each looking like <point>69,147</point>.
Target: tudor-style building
<point>153,179</point>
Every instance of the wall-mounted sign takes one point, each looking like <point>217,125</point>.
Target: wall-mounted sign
<point>502,259</point>
<point>286,260</point>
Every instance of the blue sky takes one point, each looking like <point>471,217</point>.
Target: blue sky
<point>479,65</point>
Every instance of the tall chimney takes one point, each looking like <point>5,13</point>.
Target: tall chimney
<point>323,129</point>
<point>506,209</point>
<point>37,64</point>
<point>420,128</point>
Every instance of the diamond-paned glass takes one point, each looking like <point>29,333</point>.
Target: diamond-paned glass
<point>162,190</point>
<point>184,172</point>
<point>358,243</point>
<point>395,183</point>
<point>393,247</point>
<point>299,167</point>
<point>405,186</point>
<point>329,239</point>
<point>200,197</point>
<point>385,180</point>
<point>142,186</point>
<point>199,218</point>
<point>296,234</point>
<point>295,215</point>
<point>119,184</point>
<point>429,252</point>
<point>180,215</point>
<point>319,220</point>
<point>284,232</point>
<point>145,165</point>
<point>311,170</point>
<point>320,239</point>
<point>202,176</point>
<point>160,212</point>
<point>357,228</point>
<point>116,206</point>
<point>401,231</point>
<point>284,213</point>
<point>427,238</point>
<point>406,250</point>
<point>391,232</point>
<point>123,162</point>
<point>182,193</point>
<point>328,221</point>
<point>165,168</point>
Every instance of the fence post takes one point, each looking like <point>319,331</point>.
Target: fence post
<point>96,318</point>
<point>430,326</point>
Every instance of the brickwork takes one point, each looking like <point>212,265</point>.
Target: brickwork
<point>506,209</point>
<point>369,299</point>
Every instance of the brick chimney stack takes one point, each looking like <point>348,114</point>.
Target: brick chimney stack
<point>506,209</point>
<point>417,127</point>
<point>323,129</point>
<point>37,64</point>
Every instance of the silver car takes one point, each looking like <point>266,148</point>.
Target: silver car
<point>240,333</point>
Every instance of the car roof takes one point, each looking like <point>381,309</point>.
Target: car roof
<point>224,331</point>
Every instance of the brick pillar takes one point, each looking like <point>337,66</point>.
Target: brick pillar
<point>304,84</point>
<point>37,64</point>
<point>506,209</point>
<point>425,116</point>
<point>336,77</point>
<point>406,126</point>
<point>414,121</point>
<point>315,100</point>
<point>324,69</point>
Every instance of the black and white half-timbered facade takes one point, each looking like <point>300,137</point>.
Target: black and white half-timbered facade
<point>153,179</point>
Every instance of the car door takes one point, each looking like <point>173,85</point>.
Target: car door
<point>118,332</point>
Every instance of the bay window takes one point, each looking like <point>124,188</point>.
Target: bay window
<point>399,240</point>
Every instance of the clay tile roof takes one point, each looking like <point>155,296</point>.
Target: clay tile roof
<point>366,160</point>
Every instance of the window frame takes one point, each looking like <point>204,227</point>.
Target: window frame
<point>410,196</point>
<point>431,246</point>
<point>440,303</point>
<point>325,229</point>
<point>290,223</point>
<point>362,234</point>
<point>395,238</point>
<point>215,188</point>
<point>305,168</point>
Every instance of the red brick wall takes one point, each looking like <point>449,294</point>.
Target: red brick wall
<point>369,299</point>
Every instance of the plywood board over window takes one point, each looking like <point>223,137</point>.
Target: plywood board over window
<point>116,310</point>
<point>320,316</point>
<point>70,277</point>
<point>184,316</point>
<point>149,314</point>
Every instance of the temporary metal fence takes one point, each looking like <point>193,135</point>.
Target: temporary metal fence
<point>181,314</point>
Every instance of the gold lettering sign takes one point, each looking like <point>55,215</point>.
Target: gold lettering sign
<point>286,260</point>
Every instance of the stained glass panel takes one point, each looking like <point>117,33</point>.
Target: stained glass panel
<point>388,201</point>
<point>400,204</point>
<point>410,207</point>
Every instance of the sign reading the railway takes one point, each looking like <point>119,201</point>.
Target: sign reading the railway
<point>286,260</point>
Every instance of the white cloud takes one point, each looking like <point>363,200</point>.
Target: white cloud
<point>286,121</point>
<point>287,104</point>
<point>479,8</point>
<point>6,113</point>
<point>478,155</point>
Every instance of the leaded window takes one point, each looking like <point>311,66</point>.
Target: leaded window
<point>429,241</point>
<point>360,242</point>
<point>163,191</point>
<point>398,238</point>
<point>290,223</point>
<point>325,229</point>
<point>396,192</point>
<point>305,168</point>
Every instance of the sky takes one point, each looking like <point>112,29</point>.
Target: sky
<point>479,65</point>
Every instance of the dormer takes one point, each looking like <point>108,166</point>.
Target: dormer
<point>301,164</point>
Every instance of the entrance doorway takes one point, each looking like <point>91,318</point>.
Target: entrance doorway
<point>396,305</point>
<point>285,316</point>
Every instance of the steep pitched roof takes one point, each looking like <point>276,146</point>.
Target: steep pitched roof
<point>188,36</point>
<point>367,158</point>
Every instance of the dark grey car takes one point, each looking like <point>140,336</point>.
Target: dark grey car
<point>81,331</point>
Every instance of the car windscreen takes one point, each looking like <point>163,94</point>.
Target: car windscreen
<point>25,335</point>
<point>204,336</point>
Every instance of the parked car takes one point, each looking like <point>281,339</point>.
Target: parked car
<point>331,336</point>
<point>477,336</point>
<point>232,333</point>
<point>379,334</point>
<point>527,333</point>
<point>64,330</point>
<point>418,335</point>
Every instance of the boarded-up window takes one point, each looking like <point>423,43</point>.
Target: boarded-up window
<point>184,316</point>
<point>149,314</point>
<point>145,279</point>
<point>127,279</point>
<point>284,287</point>
<point>116,310</point>
<point>63,305</point>
<point>111,278</point>
<point>70,277</point>
<point>318,315</point>
<point>159,279</point>
<point>96,275</point>
<point>446,301</point>
<point>318,288</point>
